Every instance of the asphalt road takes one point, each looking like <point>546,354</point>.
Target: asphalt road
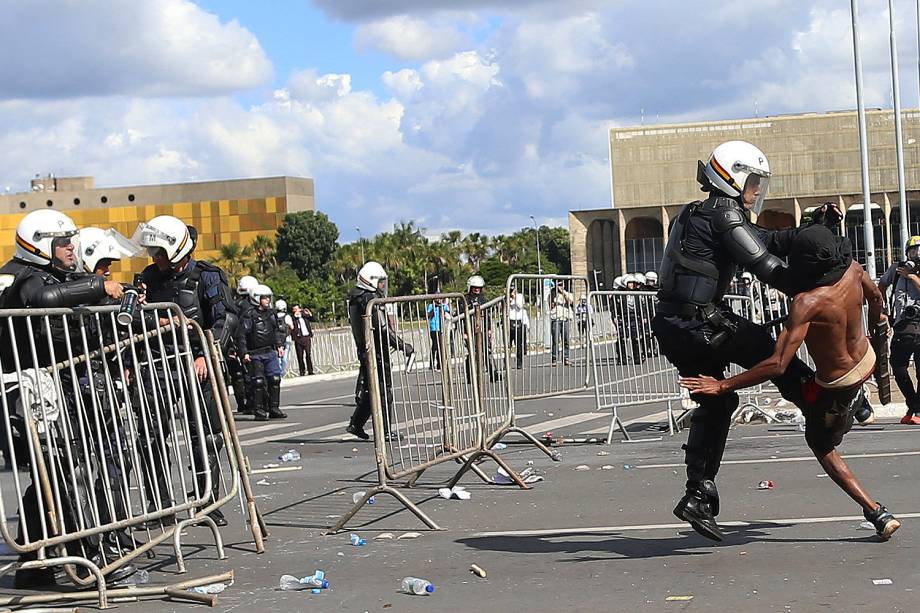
<point>581,540</point>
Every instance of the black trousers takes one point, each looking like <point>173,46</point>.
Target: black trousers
<point>304,348</point>
<point>435,336</point>
<point>519,338</point>
<point>363,393</point>
<point>903,347</point>
<point>686,344</point>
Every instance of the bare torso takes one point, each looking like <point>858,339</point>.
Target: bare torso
<point>836,339</point>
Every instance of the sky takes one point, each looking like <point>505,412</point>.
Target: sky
<point>456,114</point>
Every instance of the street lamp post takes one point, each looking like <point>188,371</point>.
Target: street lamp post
<point>868,236</point>
<point>361,242</point>
<point>899,140</point>
<point>537,231</point>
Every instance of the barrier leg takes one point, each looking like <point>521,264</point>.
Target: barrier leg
<point>553,454</point>
<point>75,561</point>
<point>201,519</point>
<point>498,460</point>
<point>376,491</point>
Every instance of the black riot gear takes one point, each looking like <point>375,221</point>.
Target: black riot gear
<point>385,338</point>
<point>700,336</point>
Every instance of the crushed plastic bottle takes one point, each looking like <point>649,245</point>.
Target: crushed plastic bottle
<point>315,582</point>
<point>212,588</point>
<point>291,455</point>
<point>357,541</point>
<point>416,586</point>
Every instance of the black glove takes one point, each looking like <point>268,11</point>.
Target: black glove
<point>828,214</point>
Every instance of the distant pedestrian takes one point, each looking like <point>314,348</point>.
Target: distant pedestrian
<point>303,338</point>
<point>437,312</point>
<point>520,321</point>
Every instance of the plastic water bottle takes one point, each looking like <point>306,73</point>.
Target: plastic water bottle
<point>290,583</point>
<point>289,456</point>
<point>416,586</point>
<point>357,541</point>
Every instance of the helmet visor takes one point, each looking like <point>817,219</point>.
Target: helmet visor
<point>755,190</point>
<point>149,236</point>
<point>65,250</point>
<point>383,287</point>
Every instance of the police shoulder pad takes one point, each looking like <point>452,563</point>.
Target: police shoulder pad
<point>724,219</point>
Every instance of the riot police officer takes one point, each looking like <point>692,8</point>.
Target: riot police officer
<point>238,376</point>
<point>261,344</point>
<point>372,283</point>
<point>201,290</point>
<point>40,276</point>
<point>708,240</point>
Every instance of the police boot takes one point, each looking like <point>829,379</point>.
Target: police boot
<point>257,404</point>
<point>274,398</point>
<point>696,507</point>
<point>242,401</point>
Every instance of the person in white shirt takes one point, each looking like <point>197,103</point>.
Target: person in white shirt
<point>302,332</point>
<point>520,321</point>
<point>561,315</point>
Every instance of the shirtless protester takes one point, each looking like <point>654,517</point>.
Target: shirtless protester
<point>827,315</point>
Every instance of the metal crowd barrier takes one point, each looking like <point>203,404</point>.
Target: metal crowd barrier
<point>629,369</point>
<point>114,444</point>
<point>554,331</point>
<point>429,410</point>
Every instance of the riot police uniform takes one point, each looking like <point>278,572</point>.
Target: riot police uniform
<point>701,336</point>
<point>385,338</point>
<point>239,377</point>
<point>259,337</point>
<point>30,285</point>
<point>201,291</point>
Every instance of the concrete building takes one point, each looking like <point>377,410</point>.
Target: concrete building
<point>814,159</point>
<point>229,211</point>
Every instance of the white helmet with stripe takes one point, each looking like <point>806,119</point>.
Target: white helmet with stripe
<point>738,170</point>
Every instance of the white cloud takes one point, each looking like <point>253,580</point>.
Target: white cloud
<point>409,38</point>
<point>104,47</point>
<point>475,137</point>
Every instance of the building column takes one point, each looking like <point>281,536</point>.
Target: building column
<point>796,212</point>
<point>665,222</point>
<point>621,229</point>
<point>886,211</point>
<point>843,212</point>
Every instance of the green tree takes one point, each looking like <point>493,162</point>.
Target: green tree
<point>495,273</point>
<point>307,241</point>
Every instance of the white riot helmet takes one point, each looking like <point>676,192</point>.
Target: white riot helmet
<point>370,276</point>
<point>734,168</point>
<point>475,281</point>
<point>258,292</point>
<point>97,244</point>
<point>629,278</point>
<point>640,278</point>
<point>618,282</point>
<point>281,305</point>
<point>165,232</point>
<point>747,277</point>
<point>245,285</point>
<point>37,232</point>
<point>651,278</point>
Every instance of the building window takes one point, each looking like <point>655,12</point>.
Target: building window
<point>50,203</point>
<point>104,199</point>
<point>22,205</point>
<point>76,201</point>
<point>644,254</point>
<point>130,197</point>
<point>854,231</point>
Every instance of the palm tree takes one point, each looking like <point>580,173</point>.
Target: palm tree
<point>264,254</point>
<point>235,260</point>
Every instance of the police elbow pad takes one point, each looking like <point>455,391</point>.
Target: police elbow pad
<point>87,290</point>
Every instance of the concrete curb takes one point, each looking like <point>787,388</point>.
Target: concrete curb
<point>332,376</point>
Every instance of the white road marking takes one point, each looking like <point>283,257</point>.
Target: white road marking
<point>262,428</point>
<point>304,432</point>
<point>793,521</point>
<point>653,418</point>
<point>793,459</point>
<point>802,434</point>
<point>562,422</point>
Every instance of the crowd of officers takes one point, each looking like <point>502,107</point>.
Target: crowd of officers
<point>58,265</point>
